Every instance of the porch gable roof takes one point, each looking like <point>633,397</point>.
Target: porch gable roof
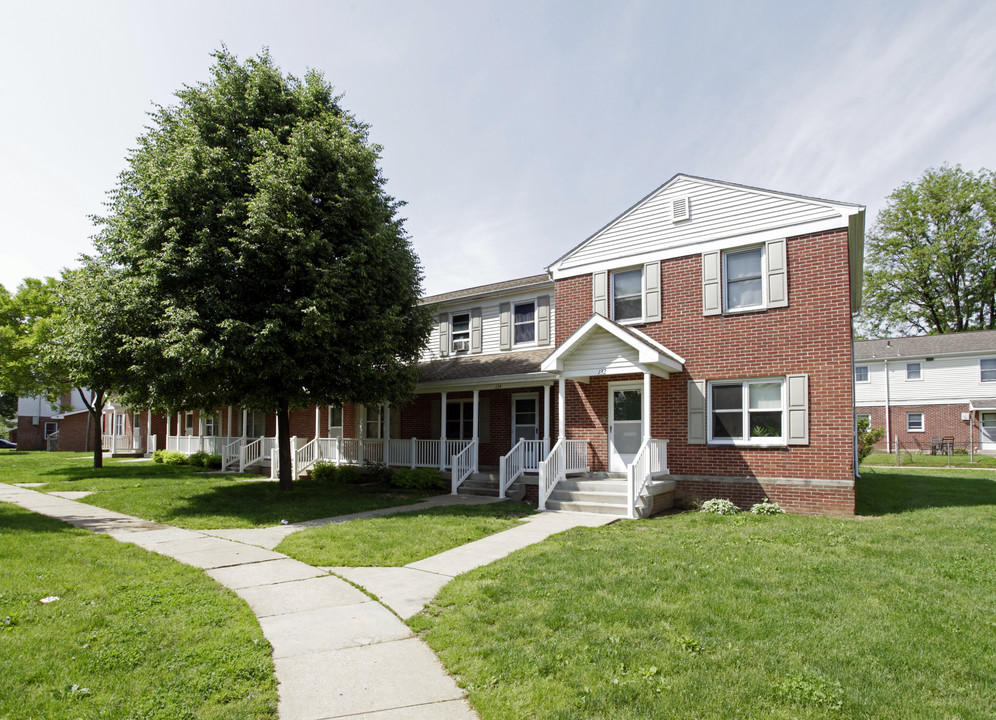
<point>637,352</point>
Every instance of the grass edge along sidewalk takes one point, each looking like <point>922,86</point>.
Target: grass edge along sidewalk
<point>132,634</point>
<point>741,617</point>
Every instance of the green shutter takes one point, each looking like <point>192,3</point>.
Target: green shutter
<point>435,415</point>
<point>712,290</point>
<point>600,293</point>
<point>777,273</point>
<point>652,292</point>
<point>505,326</point>
<point>543,320</point>
<point>444,334</point>
<point>696,412</point>
<point>797,389</point>
<point>475,330</point>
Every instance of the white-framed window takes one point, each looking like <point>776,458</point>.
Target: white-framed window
<point>860,373</point>
<point>914,371</point>
<point>50,429</point>
<point>255,423</point>
<point>743,279</point>
<point>524,323</point>
<point>335,421</point>
<point>188,423</point>
<point>987,369</point>
<point>373,419</point>
<point>627,295</point>
<point>459,419</point>
<point>747,411</point>
<point>212,424</point>
<point>119,424</point>
<point>864,416</point>
<point>914,422</point>
<point>460,333</point>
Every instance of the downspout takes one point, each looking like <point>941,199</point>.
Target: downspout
<point>888,410</point>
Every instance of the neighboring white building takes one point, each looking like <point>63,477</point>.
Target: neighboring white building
<point>922,388</point>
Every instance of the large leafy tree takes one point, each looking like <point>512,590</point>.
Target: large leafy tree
<point>256,239</point>
<point>28,320</point>
<point>932,256</point>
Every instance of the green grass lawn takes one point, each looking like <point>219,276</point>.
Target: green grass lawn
<point>397,540</point>
<point>697,616</point>
<point>133,634</point>
<point>918,460</point>
<point>192,498</point>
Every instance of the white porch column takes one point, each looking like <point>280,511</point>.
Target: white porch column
<point>971,434</point>
<point>318,420</point>
<point>361,457</point>
<point>476,447</point>
<point>178,428</point>
<point>646,406</point>
<point>442,433</point>
<point>200,431</point>
<point>228,428</point>
<point>561,412</point>
<point>245,415</point>
<point>386,414</point>
<point>168,428</point>
<point>546,420</point>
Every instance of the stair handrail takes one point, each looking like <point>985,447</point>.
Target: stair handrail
<point>230,452</point>
<point>510,467</point>
<point>650,460</point>
<point>305,458</point>
<point>552,471</point>
<point>462,466</point>
<point>251,453</point>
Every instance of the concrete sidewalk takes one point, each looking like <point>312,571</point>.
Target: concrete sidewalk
<point>337,653</point>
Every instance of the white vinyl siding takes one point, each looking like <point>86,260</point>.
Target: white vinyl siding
<point>719,211</point>
<point>491,322</point>
<point>952,379</point>
<point>602,354</point>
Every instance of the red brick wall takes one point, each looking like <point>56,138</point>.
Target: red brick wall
<point>29,435</point>
<point>75,433</point>
<point>812,335</point>
<point>801,498</point>
<point>938,421</point>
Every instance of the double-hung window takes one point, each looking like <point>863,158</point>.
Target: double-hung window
<point>374,419</point>
<point>914,371</point>
<point>627,295</point>
<point>255,424</point>
<point>861,373</point>
<point>461,332</point>
<point>335,421</point>
<point>743,275</point>
<point>914,422</point>
<point>987,370</point>
<point>460,420</point>
<point>750,411</point>
<point>211,425</point>
<point>524,323</point>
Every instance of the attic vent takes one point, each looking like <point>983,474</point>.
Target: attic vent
<point>681,209</point>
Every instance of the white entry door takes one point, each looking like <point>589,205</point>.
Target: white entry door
<point>625,425</point>
<point>988,431</point>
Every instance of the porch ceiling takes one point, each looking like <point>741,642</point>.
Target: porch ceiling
<point>604,347</point>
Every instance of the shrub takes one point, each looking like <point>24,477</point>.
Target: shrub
<point>867,437</point>
<point>379,472</point>
<point>169,457</point>
<point>198,459</point>
<point>766,508</point>
<point>328,472</point>
<point>719,506</point>
<point>417,478</point>
<point>213,462</point>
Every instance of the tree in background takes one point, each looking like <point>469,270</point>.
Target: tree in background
<point>28,320</point>
<point>931,262</point>
<point>255,239</point>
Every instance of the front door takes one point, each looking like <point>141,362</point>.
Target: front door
<point>988,431</point>
<point>625,425</point>
<point>525,426</point>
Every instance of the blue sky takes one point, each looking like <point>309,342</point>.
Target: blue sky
<point>512,129</point>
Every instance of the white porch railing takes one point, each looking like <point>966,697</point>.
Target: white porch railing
<point>255,451</point>
<point>189,444</point>
<point>651,460</point>
<point>463,465</point>
<point>524,457</point>
<point>121,443</point>
<point>231,452</point>
<point>567,456</point>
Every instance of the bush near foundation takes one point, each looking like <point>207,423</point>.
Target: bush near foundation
<point>170,457</point>
<point>417,478</point>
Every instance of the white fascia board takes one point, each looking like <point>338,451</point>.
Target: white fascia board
<point>911,403</point>
<point>487,383</point>
<point>695,247</point>
<point>649,350</point>
<point>978,354</point>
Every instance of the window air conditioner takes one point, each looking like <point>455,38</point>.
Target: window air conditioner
<point>461,345</point>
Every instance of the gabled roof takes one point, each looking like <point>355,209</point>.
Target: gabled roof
<point>718,210</point>
<point>491,289</point>
<point>655,357</point>
<point>976,341</point>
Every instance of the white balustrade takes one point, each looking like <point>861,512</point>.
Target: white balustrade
<point>462,465</point>
<point>651,460</point>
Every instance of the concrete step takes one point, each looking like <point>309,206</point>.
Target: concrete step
<point>588,496</point>
<point>596,485</point>
<point>596,508</point>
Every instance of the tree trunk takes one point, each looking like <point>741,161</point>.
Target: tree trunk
<point>284,446</point>
<point>98,442</point>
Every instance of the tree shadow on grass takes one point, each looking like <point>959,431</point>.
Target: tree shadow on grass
<point>15,520</point>
<point>881,493</point>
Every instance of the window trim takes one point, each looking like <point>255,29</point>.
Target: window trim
<point>923,422</point>
<point>762,274</point>
<point>464,334</point>
<point>46,433</point>
<point>535,323</point>
<point>641,294</point>
<point>983,371</point>
<point>342,420</point>
<point>919,377</point>
<point>214,420</point>
<point>867,416</point>
<point>867,373</point>
<point>536,404</point>
<point>465,416</point>
<point>745,383</point>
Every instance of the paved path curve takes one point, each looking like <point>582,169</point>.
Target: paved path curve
<point>337,653</point>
